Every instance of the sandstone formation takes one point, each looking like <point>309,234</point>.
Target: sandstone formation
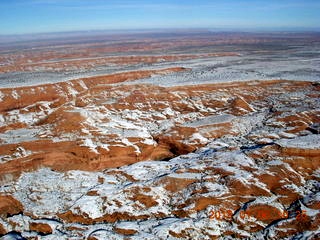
<point>93,159</point>
<point>182,135</point>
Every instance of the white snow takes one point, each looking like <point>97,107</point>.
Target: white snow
<point>198,136</point>
<point>149,142</point>
<point>186,175</point>
<point>214,119</point>
<point>89,143</point>
<point>2,120</point>
<point>287,135</point>
<point>15,95</point>
<point>126,142</point>
<point>19,135</point>
<point>83,85</point>
<point>72,91</point>
<point>305,142</point>
<point>168,111</point>
<point>91,205</point>
<point>2,95</point>
<point>128,225</point>
<point>45,192</point>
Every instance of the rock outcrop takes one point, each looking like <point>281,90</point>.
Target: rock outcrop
<point>91,159</point>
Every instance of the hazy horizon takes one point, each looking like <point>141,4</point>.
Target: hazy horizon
<point>54,16</point>
<point>154,30</point>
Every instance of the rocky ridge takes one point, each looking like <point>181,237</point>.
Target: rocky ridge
<point>95,159</point>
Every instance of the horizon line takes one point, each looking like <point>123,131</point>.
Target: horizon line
<point>159,29</point>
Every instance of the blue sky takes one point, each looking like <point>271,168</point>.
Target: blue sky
<point>33,16</point>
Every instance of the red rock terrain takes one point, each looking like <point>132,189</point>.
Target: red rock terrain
<point>104,158</point>
<point>47,61</point>
<point>80,53</point>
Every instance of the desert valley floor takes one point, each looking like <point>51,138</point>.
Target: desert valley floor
<point>178,135</point>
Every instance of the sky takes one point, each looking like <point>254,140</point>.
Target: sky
<point>36,16</point>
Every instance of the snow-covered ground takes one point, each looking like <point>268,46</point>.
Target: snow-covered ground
<point>97,195</point>
<point>296,60</point>
<point>203,71</point>
<point>185,153</point>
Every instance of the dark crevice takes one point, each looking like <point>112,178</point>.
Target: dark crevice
<point>97,230</point>
<point>176,152</point>
<point>167,159</point>
<point>11,215</point>
<point>314,128</point>
<point>257,146</point>
<point>13,235</point>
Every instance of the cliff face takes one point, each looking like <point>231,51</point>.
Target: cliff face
<point>101,158</point>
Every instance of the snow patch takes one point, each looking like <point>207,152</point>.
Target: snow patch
<point>2,95</point>
<point>303,142</point>
<point>89,143</point>
<point>14,94</point>
<point>198,136</point>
